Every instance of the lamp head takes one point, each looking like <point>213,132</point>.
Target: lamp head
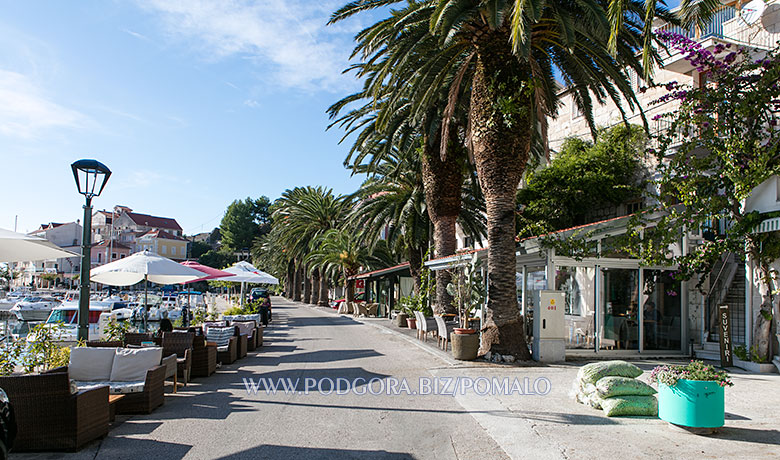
<point>91,177</point>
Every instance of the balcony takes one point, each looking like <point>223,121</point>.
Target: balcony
<point>728,28</point>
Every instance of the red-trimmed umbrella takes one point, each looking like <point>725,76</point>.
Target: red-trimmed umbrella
<point>211,273</point>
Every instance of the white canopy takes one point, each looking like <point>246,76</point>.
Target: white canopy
<point>244,272</point>
<point>140,266</point>
<point>18,247</point>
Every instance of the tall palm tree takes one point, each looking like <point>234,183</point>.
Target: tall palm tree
<point>510,52</point>
<point>340,253</point>
<point>391,119</point>
<point>392,201</point>
<point>303,214</point>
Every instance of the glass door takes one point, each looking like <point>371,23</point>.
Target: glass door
<point>661,311</point>
<point>619,309</point>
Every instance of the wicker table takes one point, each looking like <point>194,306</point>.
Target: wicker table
<point>112,400</point>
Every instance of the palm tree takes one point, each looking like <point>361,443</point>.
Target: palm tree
<point>340,254</point>
<point>302,215</point>
<point>392,200</point>
<point>510,52</point>
<point>391,118</point>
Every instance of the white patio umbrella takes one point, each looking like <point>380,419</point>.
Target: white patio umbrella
<point>244,272</point>
<point>18,247</point>
<point>143,266</point>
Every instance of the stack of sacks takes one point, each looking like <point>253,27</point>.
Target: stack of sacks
<point>613,387</point>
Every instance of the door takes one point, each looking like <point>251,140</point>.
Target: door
<point>619,302</point>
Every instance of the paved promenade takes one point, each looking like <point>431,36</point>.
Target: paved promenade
<point>311,347</point>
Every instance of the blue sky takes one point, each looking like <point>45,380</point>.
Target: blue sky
<point>191,104</point>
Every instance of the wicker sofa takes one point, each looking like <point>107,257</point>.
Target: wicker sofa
<point>135,373</point>
<point>50,417</point>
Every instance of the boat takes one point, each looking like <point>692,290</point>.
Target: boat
<point>12,299</point>
<point>67,316</point>
<point>34,308</point>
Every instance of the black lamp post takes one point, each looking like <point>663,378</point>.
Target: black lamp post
<point>91,177</point>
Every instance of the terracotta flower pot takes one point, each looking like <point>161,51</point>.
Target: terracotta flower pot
<point>412,323</point>
<point>463,330</point>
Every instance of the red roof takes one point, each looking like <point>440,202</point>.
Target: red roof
<point>105,243</point>
<point>162,234</point>
<point>153,221</point>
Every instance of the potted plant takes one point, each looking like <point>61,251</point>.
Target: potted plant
<point>691,395</point>
<point>468,291</point>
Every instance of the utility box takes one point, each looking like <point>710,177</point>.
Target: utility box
<point>550,327</point>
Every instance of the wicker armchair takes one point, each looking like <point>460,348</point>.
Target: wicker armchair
<point>250,329</point>
<point>49,417</point>
<point>243,345</point>
<point>204,357</point>
<point>230,355</point>
<point>180,344</point>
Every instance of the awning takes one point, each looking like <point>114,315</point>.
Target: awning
<point>769,225</point>
<point>381,272</point>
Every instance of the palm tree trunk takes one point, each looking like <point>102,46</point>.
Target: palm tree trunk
<point>315,287</point>
<point>415,267</point>
<point>323,302</point>
<point>288,287</point>
<point>442,182</point>
<point>501,135</point>
<point>306,286</point>
<point>297,281</point>
<point>349,287</point>
<point>446,244</point>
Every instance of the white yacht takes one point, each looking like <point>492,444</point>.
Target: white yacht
<point>34,308</point>
<point>67,315</point>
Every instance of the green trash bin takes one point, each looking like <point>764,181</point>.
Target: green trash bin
<point>692,403</point>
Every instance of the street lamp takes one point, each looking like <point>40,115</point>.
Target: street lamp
<point>90,175</point>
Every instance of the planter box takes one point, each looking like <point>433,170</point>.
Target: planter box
<point>758,368</point>
<point>692,403</point>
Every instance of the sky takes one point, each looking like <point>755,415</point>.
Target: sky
<point>191,104</point>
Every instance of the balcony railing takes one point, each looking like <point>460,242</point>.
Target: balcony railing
<point>714,26</point>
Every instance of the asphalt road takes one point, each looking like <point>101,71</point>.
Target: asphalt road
<point>310,350</point>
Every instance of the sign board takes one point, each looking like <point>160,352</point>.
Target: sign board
<point>724,323</point>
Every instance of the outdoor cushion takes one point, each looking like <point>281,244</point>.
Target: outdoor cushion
<point>131,364</point>
<point>224,348</point>
<point>245,328</point>
<point>113,387</point>
<point>220,335</point>
<point>91,364</point>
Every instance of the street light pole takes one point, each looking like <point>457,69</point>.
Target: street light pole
<point>86,263</point>
<point>91,177</point>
